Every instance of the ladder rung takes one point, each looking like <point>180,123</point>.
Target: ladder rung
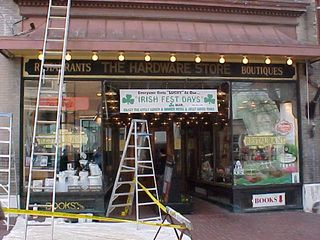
<point>49,92</point>
<point>46,137</point>
<point>145,175</point>
<point>54,52</point>
<point>121,205</point>
<point>54,40</point>
<point>124,194</point>
<point>150,219</point>
<point>4,170</point>
<point>58,17</point>
<point>149,189</point>
<point>127,171</point>
<point>146,203</point>
<point>5,128</point>
<point>43,154</point>
<point>142,134</point>
<point>52,65</point>
<point>129,158</point>
<point>55,28</point>
<point>42,187</point>
<point>4,156</point>
<point>51,78</point>
<point>39,224</point>
<point>143,148</point>
<point>143,166</point>
<point>46,122</point>
<point>144,161</point>
<point>51,108</point>
<point>4,141</point>
<point>58,6</point>
<point>40,205</point>
<point>128,167</point>
<point>42,170</point>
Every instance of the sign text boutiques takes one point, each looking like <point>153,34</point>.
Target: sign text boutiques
<point>86,68</point>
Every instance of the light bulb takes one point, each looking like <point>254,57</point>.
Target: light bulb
<point>40,55</point>
<point>173,58</point>
<point>197,59</point>
<point>68,56</point>
<point>121,57</point>
<point>268,60</point>
<point>289,61</point>
<point>95,56</point>
<point>147,57</point>
<point>222,60</point>
<point>245,60</point>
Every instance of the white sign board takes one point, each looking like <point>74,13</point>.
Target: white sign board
<point>168,100</point>
<point>269,200</point>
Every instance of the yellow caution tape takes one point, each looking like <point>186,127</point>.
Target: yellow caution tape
<point>74,215</point>
<point>163,208</point>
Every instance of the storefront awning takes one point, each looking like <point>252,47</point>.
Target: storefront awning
<point>168,36</point>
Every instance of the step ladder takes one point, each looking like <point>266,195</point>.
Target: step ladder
<point>7,165</point>
<point>51,74</point>
<point>136,165</point>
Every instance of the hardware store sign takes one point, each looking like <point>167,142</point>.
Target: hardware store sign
<point>168,100</point>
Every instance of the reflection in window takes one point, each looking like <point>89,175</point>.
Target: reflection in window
<point>265,149</point>
<point>80,156</point>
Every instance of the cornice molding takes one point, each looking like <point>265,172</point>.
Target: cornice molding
<point>247,7</point>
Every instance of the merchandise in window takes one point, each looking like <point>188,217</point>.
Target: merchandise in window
<point>265,134</point>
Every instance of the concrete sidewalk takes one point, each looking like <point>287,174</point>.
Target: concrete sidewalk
<point>212,222</point>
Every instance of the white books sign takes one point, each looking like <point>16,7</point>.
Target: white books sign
<point>168,100</point>
<point>269,200</point>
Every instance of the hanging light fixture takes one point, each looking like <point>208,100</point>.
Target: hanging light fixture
<point>147,57</point>
<point>222,60</point>
<point>121,57</point>
<point>95,56</point>
<point>40,55</point>
<point>289,61</point>
<point>245,60</point>
<point>197,59</point>
<point>173,58</point>
<point>267,60</point>
<point>68,56</point>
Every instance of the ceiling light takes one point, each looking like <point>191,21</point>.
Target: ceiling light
<point>173,58</point>
<point>222,60</point>
<point>197,59</point>
<point>245,60</point>
<point>147,57</point>
<point>95,56</point>
<point>68,56</point>
<point>40,55</point>
<point>289,61</point>
<point>267,61</point>
<point>121,57</point>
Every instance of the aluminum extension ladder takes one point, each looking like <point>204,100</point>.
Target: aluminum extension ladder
<point>7,164</point>
<point>51,80</point>
<point>136,165</point>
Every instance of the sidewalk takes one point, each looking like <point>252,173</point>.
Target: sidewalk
<point>212,222</point>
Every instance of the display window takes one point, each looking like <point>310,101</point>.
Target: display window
<point>265,133</point>
<point>80,157</point>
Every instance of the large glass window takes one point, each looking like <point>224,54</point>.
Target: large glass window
<point>80,146</point>
<point>265,137</point>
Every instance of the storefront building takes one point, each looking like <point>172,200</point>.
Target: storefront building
<point>221,84</point>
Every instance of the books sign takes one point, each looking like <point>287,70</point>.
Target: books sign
<point>168,100</point>
<point>269,200</point>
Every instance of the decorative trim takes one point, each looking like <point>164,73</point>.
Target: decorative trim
<point>287,10</point>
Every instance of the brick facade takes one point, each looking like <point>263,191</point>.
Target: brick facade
<point>10,71</point>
